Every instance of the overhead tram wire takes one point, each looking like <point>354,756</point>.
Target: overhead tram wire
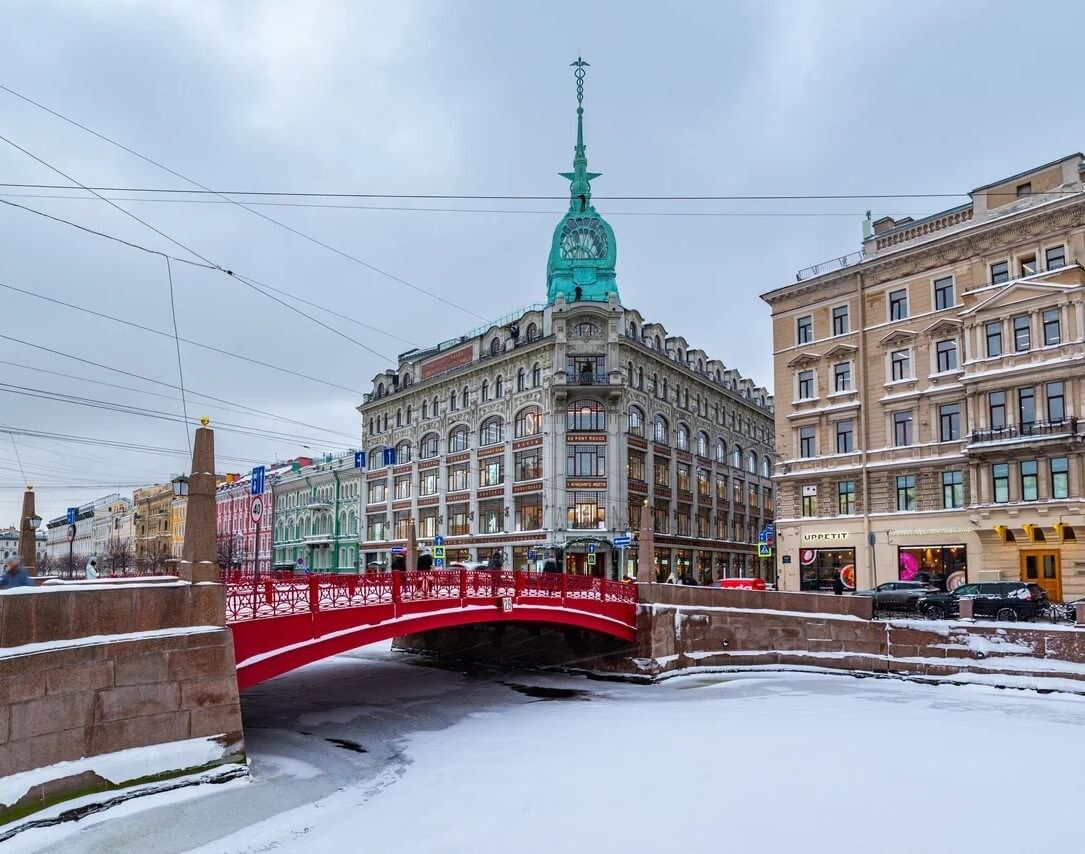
<point>236,408</point>
<point>191,251</point>
<point>112,443</point>
<point>371,267</point>
<point>201,265</point>
<point>128,409</point>
<point>145,328</point>
<point>731,197</point>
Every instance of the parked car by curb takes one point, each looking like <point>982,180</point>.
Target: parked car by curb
<point>1001,600</point>
<point>898,595</point>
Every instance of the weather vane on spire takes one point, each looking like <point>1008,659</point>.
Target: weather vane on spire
<point>580,178</point>
<point>579,65</point>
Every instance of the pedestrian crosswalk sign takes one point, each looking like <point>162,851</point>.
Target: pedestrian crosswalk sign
<point>439,553</point>
<point>591,559</point>
<point>764,550</point>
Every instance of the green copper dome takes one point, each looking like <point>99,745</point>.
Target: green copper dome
<point>583,252</point>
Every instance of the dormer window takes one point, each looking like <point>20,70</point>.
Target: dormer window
<point>495,347</point>
<point>1024,189</point>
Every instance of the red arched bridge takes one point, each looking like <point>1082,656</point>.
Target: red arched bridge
<point>282,623</point>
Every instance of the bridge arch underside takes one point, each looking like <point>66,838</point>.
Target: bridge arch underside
<point>271,646</point>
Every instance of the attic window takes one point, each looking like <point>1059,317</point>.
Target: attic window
<point>1024,189</point>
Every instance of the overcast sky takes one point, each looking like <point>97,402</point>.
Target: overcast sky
<point>719,98</point>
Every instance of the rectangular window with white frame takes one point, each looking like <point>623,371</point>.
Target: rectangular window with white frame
<point>906,492</point>
<point>842,376</point>
<point>1055,393</point>
<point>993,330</point>
<point>952,490</point>
<point>1055,257</point>
<point>1022,333</point>
<point>945,355</point>
<point>806,385</point>
<point>1000,480</point>
<point>845,496</point>
<point>1000,272</point>
<point>903,434</point>
<point>1052,327</point>
<point>900,365</point>
<point>840,320</point>
<point>804,329</point>
<point>898,304</point>
<point>943,293</point>
<point>949,422</point>
<point>1060,477</point>
<point>807,441</point>
<point>845,437</point>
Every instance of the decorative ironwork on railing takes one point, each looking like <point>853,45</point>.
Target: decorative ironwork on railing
<point>249,597</point>
<point>1037,429</point>
<point>586,378</point>
<point>830,266</point>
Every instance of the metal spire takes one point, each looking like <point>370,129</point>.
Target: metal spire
<point>580,178</point>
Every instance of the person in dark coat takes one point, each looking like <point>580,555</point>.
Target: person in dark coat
<point>496,560</point>
<point>399,563</point>
<point>838,585</point>
<point>550,565</point>
<point>425,561</point>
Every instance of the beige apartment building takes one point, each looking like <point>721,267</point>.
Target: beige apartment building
<point>928,395</point>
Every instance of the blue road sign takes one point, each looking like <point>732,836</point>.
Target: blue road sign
<point>72,513</point>
<point>258,480</point>
<point>591,548</point>
<point>389,456</point>
<point>359,459</point>
<point>438,563</point>
<point>764,536</point>
<point>438,540</point>
<point>622,541</point>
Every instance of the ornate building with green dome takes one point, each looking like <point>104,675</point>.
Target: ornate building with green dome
<point>539,436</point>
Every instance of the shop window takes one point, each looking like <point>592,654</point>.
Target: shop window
<point>586,510</point>
<point>684,484</point>
<point>458,477</point>
<point>822,569</point>
<point>944,567</point>
<point>529,512</point>
<point>491,516</point>
<point>427,482</point>
<point>459,520</point>
<point>403,486</point>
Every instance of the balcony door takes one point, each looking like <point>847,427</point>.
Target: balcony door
<point>1043,567</point>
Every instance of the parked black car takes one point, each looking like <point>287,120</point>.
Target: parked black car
<point>898,595</point>
<point>1003,600</point>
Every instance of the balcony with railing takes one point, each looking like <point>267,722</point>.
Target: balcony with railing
<point>1028,433</point>
<point>587,378</point>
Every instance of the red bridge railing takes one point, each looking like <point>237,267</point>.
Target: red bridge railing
<point>249,598</point>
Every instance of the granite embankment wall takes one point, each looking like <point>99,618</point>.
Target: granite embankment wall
<point>681,628</point>
<point>92,673</point>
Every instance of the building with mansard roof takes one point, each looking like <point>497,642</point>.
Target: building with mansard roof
<point>541,435</point>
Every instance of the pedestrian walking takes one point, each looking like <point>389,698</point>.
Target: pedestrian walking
<point>838,585</point>
<point>90,572</point>
<point>15,575</point>
<point>496,560</point>
<point>550,565</point>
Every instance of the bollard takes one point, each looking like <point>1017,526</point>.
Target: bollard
<point>965,609</point>
<point>1079,614</point>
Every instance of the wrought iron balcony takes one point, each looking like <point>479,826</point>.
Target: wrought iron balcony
<point>1036,430</point>
<point>586,378</point>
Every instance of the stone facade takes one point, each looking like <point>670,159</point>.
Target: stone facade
<point>929,391</point>
<point>154,542</point>
<point>127,666</point>
<point>543,434</point>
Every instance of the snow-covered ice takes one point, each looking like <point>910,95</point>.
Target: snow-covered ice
<point>486,762</point>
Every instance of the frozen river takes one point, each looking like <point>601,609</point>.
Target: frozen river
<point>373,752</point>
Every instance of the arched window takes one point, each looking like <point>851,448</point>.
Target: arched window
<point>495,347</point>
<point>685,398</point>
<point>452,401</point>
<point>464,398</point>
<point>660,431</point>
<point>585,329</point>
<point>532,332</point>
<point>376,457</point>
<point>407,379</point>
<point>521,379</point>
<point>751,462</point>
<point>659,344</point>
<point>640,378</point>
<point>380,389</point>
<point>721,451</point>
<point>679,354</point>
<point>528,422</point>
<point>766,467</point>
<point>664,395</point>
<point>403,452</point>
<point>427,448</point>
<point>399,417</point>
<point>702,444</point>
<point>409,412</point>
<point>630,374</point>
<point>682,437</point>
<point>585,415</point>
<point>436,407</point>
<point>499,388</point>
<point>492,431</point>
<point>425,409</point>
<point>736,457</point>
<point>636,421</point>
<point>632,330</point>
<point>536,375</point>
<point>485,390</point>
<point>458,439</point>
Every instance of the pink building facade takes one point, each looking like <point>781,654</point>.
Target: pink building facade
<point>235,527</point>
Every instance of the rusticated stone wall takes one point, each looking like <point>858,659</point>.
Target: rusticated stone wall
<point>88,670</point>
<point>679,628</point>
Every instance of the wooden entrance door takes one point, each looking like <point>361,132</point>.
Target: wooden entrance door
<point>1043,567</point>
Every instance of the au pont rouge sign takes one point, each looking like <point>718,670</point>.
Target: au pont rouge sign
<point>445,363</point>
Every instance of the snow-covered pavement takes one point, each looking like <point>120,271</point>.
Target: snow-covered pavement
<point>766,762</point>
